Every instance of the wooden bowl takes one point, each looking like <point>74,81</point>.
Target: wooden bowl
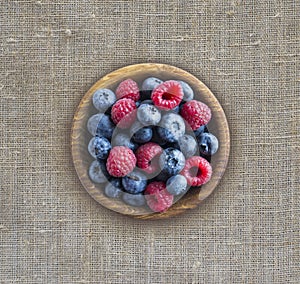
<point>81,137</point>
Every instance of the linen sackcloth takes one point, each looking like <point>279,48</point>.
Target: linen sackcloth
<point>52,231</point>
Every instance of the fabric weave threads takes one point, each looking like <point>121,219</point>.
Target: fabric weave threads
<point>247,52</point>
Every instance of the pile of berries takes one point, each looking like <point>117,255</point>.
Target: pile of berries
<point>151,145</point>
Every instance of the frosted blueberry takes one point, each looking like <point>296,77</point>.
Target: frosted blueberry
<point>187,145</point>
<point>91,148</point>
<point>113,188</point>
<point>134,199</point>
<point>171,161</point>
<point>176,185</point>
<point>93,122</point>
<point>208,144</point>
<point>188,93</point>
<point>148,114</point>
<point>96,173</point>
<point>135,182</point>
<point>103,99</point>
<point>151,83</point>
<point>172,127</point>
<point>105,127</point>
<point>122,139</point>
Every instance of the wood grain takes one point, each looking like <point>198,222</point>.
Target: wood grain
<point>80,138</point>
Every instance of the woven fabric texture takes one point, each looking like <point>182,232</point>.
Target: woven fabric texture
<point>52,231</point>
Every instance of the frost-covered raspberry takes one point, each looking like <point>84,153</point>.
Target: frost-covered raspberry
<point>157,196</point>
<point>128,89</point>
<point>197,171</point>
<point>195,113</point>
<point>167,95</point>
<point>147,157</point>
<point>121,161</point>
<point>123,112</point>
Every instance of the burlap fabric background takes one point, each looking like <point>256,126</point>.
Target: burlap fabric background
<point>52,231</point>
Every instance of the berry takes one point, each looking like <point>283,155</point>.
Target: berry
<point>171,161</point>
<point>93,122</point>
<point>200,130</point>
<point>122,139</point>
<point>196,113</point>
<point>147,157</point>
<point>120,162</point>
<point>128,89</point>
<point>105,127</point>
<point>157,196</point>
<point>187,145</point>
<point>188,93</point>
<point>176,185</point>
<point>135,182</point>
<point>167,95</point>
<point>148,114</point>
<point>134,199</point>
<point>102,147</point>
<point>102,164</point>
<point>123,112</point>
<point>208,144</point>
<point>151,83</point>
<point>197,171</point>
<point>95,172</point>
<point>113,188</point>
<point>103,99</point>
<point>91,147</point>
<point>172,127</point>
<point>143,135</point>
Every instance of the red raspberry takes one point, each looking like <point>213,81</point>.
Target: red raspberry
<point>121,161</point>
<point>146,157</point>
<point>157,196</point>
<point>196,113</point>
<point>167,95</point>
<point>123,112</point>
<point>128,89</point>
<point>197,171</point>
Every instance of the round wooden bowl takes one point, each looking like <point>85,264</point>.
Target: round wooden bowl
<point>81,137</point>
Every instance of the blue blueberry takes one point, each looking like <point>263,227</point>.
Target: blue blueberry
<point>200,130</point>
<point>102,165</point>
<point>102,147</point>
<point>172,127</point>
<point>151,83</point>
<point>96,174</point>
<point>93,122</point>
<point>208,144</point>
<point>113,188</point>
<point>188,93</point>
<point>91,148</point>
<point>171,161</point>
<point>122,139</point>
<point>139,133</point>
<point>143,135</point>
<point>148,114</point>
<point>176,185</point>
<point>103,99</point>
<point>134,199</point>
<point>135,182</point>
<point>105,127</point>
<point>187,145</point>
